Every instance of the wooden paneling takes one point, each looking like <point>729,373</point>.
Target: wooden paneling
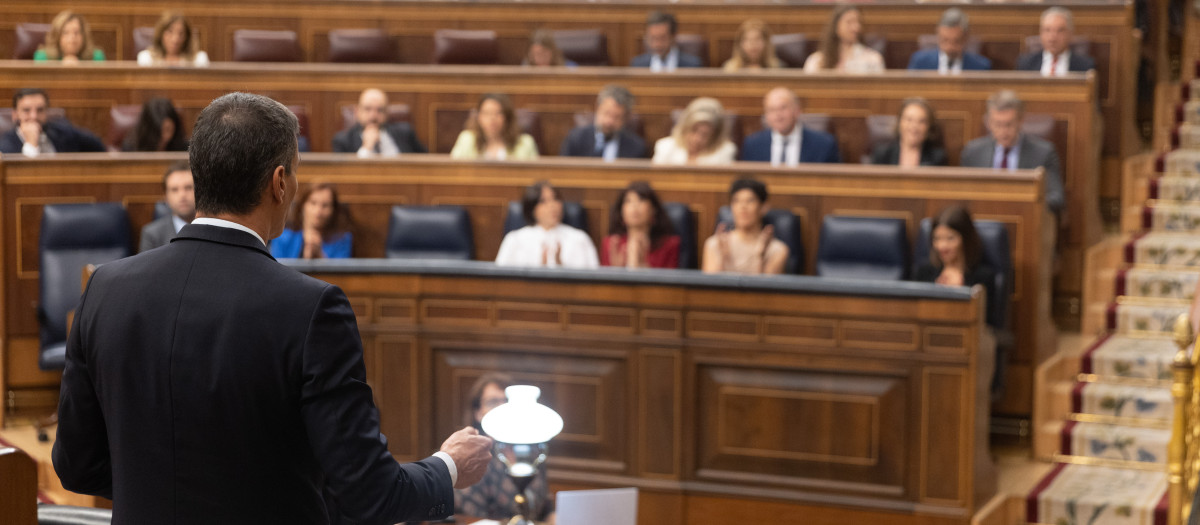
<point>18,486</point>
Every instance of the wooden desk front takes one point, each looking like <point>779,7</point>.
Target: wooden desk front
<point>370,188</point>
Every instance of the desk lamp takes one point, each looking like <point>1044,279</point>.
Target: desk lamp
<point>521,428</point>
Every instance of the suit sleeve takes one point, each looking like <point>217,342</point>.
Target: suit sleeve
<point>414,145</point>
<point>89,142</point>
<point>567,149</point>
<point>147,242</point>
<point>342,424</point>
<point>834,155</point>
<point>341,143</point>
<point>81,456</point>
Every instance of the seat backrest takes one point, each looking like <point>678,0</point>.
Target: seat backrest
<point>1080,45</point>
<point>143,38</point>
<point>683,220</point>
<point>695,45</point>
<point>361,46</point>
<point>301,113</point>
<point>586,47</point>
<point>929,41</point>
<point>787,230</point>
<point>255,45</point>
<point>161,210</point>
<point>430,232</point>
<point>28,37</point>
<point>876,41</point>
<point>881,129</point>
<point>817,122</point>
<point>123,118</point>
<point>530,122</point>
<point>465,46</point>
<point>863,248</point>
<point>791,48</point>
<point>996,253</point>
<point>573,215</point>
<point>395,113</point>
<point>73,236</point>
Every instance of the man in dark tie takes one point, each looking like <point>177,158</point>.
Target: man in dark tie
<point>207,383</point>
<point>1007,148</point>
<point>1055,32</point>
<point>606,137</point>
<point>785,142</point>
<point>951,55</point>
<point>372,135</point>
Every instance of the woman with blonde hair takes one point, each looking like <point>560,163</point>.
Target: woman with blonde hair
<point>699,137</point>
<point>752,48</point>
<point>544,51</point>
<point>69,40</point>
<point>842,48</point>
<point>175,43</point>
<point>493,134</point>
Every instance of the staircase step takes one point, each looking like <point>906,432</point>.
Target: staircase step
<point>1130,357</point>
<point>1189,136</point>
<point>1176,188</point>
<point>1171,216</point>
<point>1099,495</point>
<point>1132,315</point>
<point>1183,163</point>
<point>1148,404</point>
<point>1119,442</point>
<point>1154,282</point>
<point>1191,112</point>
<point>1165,248</point>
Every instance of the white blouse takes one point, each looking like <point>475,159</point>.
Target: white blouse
<point>524,247</point>
<point>862,59</point>
<point>667,151</point>
<point>144,58</point>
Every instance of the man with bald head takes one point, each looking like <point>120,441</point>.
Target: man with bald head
<point>785,142</point>
<point>373,135</point>
<point>1055,58</point>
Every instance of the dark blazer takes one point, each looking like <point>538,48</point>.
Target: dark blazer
<point>685,60</point>
<point>931,154</point>
<point>207,383</point>
<point>928,59</point>
<point>1035,153</point>
<point>1033,62</point>
<point>349,140</point>
<point>581,142</point>
<point>65,137</point>
<point>815,146</point>
<point>157,233</point>
<point>981,274</point>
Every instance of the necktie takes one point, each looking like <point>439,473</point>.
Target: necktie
<point>1004,159</point>
<point>783,145</point>
<point>1053,65</point>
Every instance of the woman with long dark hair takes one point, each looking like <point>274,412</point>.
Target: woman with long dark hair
<point>956,254</point>
<point>158,129</point>
<point>842,47</point>
<point>640,234</point>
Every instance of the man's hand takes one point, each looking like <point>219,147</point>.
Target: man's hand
<point>370,136</point>
<point>471,453</point>
<point>31,132</point>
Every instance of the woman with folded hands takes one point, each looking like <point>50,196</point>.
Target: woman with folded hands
<point>317,227</point>
<point>748,247</point>
<point>546,241</point>
<point>493,133</point>
<point>918,138</point>
<point>640,234</point>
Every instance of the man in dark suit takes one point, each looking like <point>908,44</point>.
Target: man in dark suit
<point>207,383</point>
<point>606,137</point>
<point>662,54</point>
<point>373,135</point>
<point>951,55</point>
<point>34,133</point>
<point>179,194</point>
<point>785,142</point>
<point>1055,32</point>
<point>1007,148</point>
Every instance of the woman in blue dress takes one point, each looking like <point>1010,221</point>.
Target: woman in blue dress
<point>317,227</point>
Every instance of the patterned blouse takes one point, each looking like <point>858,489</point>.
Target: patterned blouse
<point>492,497</point>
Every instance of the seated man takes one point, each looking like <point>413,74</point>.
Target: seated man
<point>1007,148</point>
<point>180,196</point>
<point>663,55</point>
<point>786,142</point>
<point>606,137</point>
<point>1056,58</point>
<point>35,134</point>
<point>950,55</point>
<point>373,135</point>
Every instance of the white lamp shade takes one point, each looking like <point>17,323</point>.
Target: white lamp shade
<point>522,420</point>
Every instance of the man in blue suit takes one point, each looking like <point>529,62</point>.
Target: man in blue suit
<point>663,55</point>
<point>950,55</point>
<point>785,142</point>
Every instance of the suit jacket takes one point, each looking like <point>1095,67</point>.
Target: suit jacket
<point>815,146</point>
<point>1034,152</point>
<point>1033,62</point>
<point>65,137</point>
<point>581,142</point>
<point>207,383</point>
<point>931,154</point>
<point>349,140</point>
<point>685,60</point>
<point>928,59</point>
<point>157,233</point>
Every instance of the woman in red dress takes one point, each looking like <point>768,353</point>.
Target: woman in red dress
<point>640,235</point>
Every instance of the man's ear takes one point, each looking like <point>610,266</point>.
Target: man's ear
<point>279,184</point>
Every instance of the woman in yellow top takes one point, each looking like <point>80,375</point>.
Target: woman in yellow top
<point>69,40</point>
<point>493,133</point>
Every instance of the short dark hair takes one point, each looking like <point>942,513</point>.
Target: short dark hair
<point>747,183</point>
<point>659,17</point>
<point>26,92</point>
<point>179,165</point>
<point>238,141</point>
<point>957,218</point>
<point>533,195</point>
<point>661,228</point>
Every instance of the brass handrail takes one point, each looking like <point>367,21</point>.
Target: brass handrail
<point>1181,454</point>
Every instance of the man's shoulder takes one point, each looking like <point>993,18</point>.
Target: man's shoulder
<point>976,61</point>
<point>813,136</point>
<point>579,132</point>
<point>689,60</point>
<point>921,59</point>
<point>1030,61</point>
<point>642,60</point>
<point>10,142</point>
<point>398,128</point>
<point>1082,62</point>
<point>1036,144</point>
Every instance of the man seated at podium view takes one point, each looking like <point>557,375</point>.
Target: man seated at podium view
<point>35,133</point>
<point>207,383</point>
<point>180,196</point>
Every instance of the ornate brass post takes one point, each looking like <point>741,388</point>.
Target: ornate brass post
<point>1182,374</point>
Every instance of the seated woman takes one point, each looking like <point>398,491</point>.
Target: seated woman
<point>544,51</point>
<point>918,138</point>
<point>175,44</point>
<point>699,137</point>
<point>317,227</point>
<point>69,40</point>
<point>753,48</point>
<point>546,241</point>
<point>158,129</point>
<point>842,49</point>
<point>640,234</point>
<point>493,134</point>
<point>956,254</point>
<point>492,497</point>
<point>750,247</point>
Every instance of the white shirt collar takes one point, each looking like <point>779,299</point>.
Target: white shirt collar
<point>222,223</point>
<point>1061,68</point>
<point>669,63</point>
<point>177,222</point>
<point>944,65</point>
